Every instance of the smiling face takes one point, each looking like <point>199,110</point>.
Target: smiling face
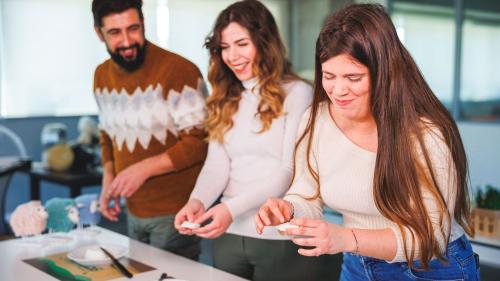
<point>347,84</point>
<point>123,34</point>
<point>238,51</point>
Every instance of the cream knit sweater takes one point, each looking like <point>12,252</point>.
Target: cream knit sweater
<point>346,181</point>
<point>250,167</point>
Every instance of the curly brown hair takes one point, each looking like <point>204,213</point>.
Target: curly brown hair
<point>271,68</point>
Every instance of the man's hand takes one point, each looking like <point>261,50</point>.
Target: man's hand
<point>105,198</point>
<point>128,181</point>
<point>106,210</point>
<point>221,220</point>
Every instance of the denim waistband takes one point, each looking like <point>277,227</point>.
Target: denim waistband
<point>460,243</point>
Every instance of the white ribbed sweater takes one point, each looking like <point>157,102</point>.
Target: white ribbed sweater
<point>250,167</point>
<point>346,180</point>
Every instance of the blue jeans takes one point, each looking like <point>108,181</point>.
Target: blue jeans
<point>461,265</point>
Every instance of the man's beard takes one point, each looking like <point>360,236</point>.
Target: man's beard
<point>129,65</point>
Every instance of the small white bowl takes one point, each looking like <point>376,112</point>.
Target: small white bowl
<point>89,255</point>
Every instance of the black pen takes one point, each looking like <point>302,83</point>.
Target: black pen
<point>120,266</point>
<point>165,276</point>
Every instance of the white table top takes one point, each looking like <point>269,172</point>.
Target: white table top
<point>12,252</point>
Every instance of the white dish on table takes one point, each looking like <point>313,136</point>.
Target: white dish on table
<point>93,256</point>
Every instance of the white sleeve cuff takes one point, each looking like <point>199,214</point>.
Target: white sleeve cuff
<point>302,208</point>
<point>400,255</point>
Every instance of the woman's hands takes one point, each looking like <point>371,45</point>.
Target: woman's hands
<point>190,212</point>
<point>221,219</point>
<point>275,211</point>
<point>194,211</point>
<point>321,237</point>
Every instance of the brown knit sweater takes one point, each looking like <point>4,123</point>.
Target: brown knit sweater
<point>158,108</point>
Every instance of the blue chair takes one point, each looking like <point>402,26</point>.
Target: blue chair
<point>12,158</point>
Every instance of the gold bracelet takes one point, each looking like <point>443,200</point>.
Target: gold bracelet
<point>356,240</point>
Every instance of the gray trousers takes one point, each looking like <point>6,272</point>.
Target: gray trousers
<point>262,259</point>
<point>161,233</point>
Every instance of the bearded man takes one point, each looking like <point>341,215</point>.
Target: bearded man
<point>151,111</point>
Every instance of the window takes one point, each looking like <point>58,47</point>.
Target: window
<point>49,51</point>
<point>306,19</point>
<point>428,34</point>
<point>480,87</point>
<point>428,29</point>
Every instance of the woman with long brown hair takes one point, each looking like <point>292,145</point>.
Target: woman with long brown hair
<point>378,147</point>
<point>253,116</point>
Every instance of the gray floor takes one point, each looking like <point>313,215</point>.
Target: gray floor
<point>331,266</point>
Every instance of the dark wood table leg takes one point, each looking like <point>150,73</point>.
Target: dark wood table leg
<point>35,188</point>
<point>75,191</point>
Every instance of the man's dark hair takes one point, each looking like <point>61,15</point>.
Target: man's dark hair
<point>102,8</point>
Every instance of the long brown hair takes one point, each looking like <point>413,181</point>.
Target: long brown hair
<point>402,104</point>
<point>271,68</point>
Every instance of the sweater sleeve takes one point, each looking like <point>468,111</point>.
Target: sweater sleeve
<point>299,97</point>
<point>445,173</point>
<point>106,148</point>
<point>303,186</point>
<point>214,175</point>
<point>187,110</point>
